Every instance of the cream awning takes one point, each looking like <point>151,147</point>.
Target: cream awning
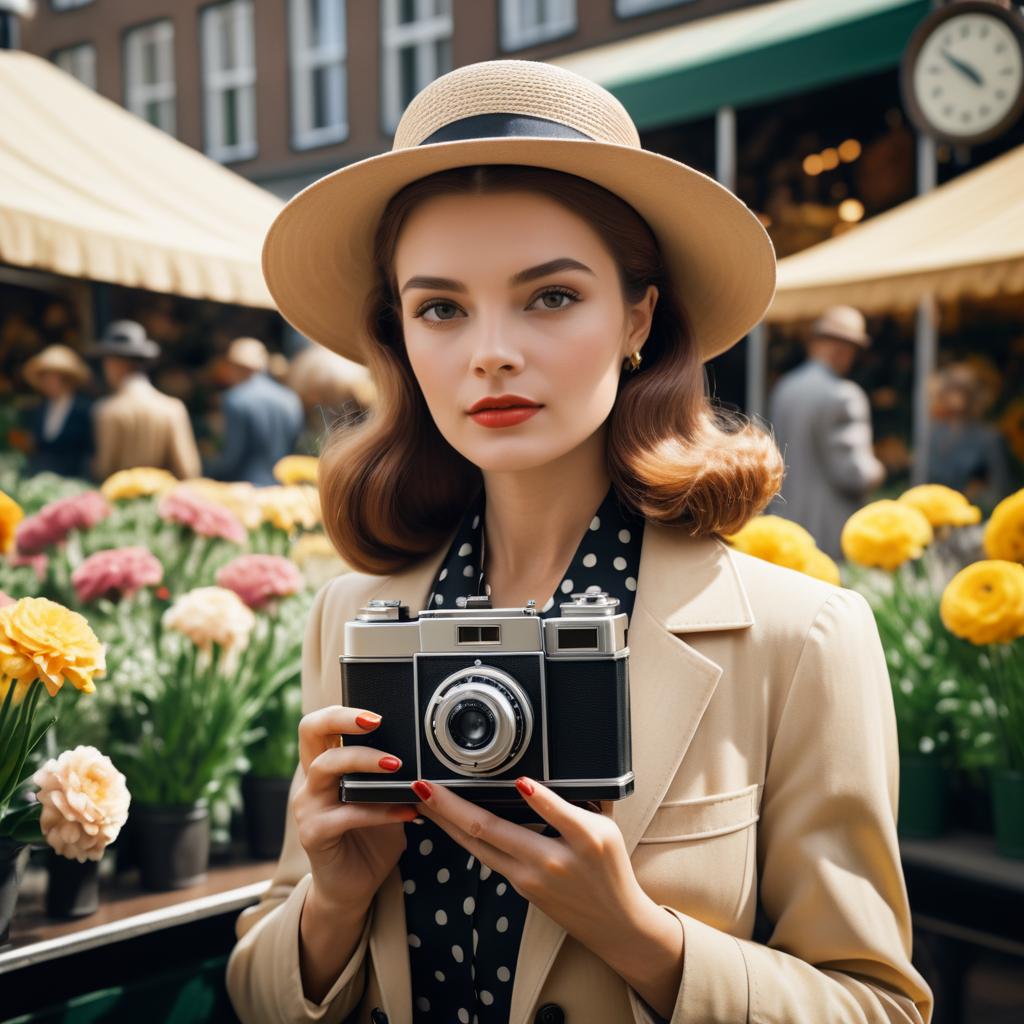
<point>966,238</point>
<point>89,190</point>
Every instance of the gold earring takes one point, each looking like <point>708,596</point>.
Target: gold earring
<point>634,361</point>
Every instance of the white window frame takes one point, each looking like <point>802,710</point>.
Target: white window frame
<point>630,8</point>
<point>139,94</point>
<point>218,80</point>
<point>306,60</point>
<point>79,61</point>
<point>433,23</point>
<point>557,19</point>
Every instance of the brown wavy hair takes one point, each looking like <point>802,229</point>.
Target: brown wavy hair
<point>393,489</point>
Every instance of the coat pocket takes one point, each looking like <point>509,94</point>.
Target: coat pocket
<point>703,817</point>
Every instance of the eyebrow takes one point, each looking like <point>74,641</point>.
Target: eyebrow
<point>447,284</point>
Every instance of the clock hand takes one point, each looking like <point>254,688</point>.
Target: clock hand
<point>965,68</point>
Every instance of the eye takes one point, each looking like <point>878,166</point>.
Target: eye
<point>556,298</point>
<point>442,309</point>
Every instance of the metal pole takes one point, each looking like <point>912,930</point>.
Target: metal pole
<point>8,30</point>
<point>926,333</point>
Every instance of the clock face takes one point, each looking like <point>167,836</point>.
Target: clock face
<point>968,75</point>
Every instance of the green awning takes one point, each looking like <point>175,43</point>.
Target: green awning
<point>750,56</point>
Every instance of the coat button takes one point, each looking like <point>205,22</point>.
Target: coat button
<point>550,1013</point>
<point>378,1016</point>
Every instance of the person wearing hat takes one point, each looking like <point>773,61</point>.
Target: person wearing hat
<point>61,426</point>
<point>262,418</point>
<point>535,296</point>
<point>822,424</point>
<point>137,425</point>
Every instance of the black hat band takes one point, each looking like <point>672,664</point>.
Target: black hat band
<point>498,126</point>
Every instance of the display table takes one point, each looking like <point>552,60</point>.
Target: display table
<point>136,941</point>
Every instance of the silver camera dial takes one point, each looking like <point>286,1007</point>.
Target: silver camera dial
<point>479,721</point>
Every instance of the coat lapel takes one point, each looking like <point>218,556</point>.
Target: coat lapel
<point>685,585</point>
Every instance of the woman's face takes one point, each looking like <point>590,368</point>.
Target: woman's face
<point>513,297</point>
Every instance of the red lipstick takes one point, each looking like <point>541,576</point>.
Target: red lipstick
<point>503,410</point>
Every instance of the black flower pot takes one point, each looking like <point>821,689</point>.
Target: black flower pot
<point>72,888</point>
<point>12,866</point>
<point>266,807</point>
<point>173,844</point>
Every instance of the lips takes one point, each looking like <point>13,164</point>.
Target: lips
<point>503,402</point>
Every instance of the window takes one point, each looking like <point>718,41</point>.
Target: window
<point>624,8</point>
<point>67,5</point>
<point>319,89</point>
<point>416,36</point>
<point>79,61</point>
<point>527,22</point>
<point>149,85</point>
<point>229,80</point>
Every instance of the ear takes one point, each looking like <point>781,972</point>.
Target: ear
<point>638,321</point>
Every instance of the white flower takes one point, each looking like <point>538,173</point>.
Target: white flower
<point>907,686</point>
<point>948,686</point>
<point>85,803</point>
<point>211,615</point>
<point>947,705</point>
<point>927,745</point>
<point>990,706</point>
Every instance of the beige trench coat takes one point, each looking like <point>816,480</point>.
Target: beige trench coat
<point>765,754</point>
<point>141,426</point>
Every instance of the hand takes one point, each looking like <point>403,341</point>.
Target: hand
<point>351,848</point>
<point>583,880</point>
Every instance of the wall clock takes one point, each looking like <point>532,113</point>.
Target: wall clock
<point>962,76</point>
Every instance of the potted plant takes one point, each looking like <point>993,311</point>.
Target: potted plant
<point>42,645</point>
<point>984,606</point>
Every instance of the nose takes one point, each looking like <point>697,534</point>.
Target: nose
<point>494,354</point>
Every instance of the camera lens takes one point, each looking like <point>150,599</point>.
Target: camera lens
<point>471,724</point>
<point>479,721</point>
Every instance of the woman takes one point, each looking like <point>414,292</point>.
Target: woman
<point>61,424</point>
<point>536,329</point>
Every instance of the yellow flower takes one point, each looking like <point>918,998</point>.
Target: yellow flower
<point>288,508</point>
<point>239,498</point>
<point>885,534</point>
<point>296,469</point>
<point>984,603</point>
<point>137,483</point>
<point>941,505</point>
<point>1004,532</point>
<point>821,567</point>
<point>312,545</point>
<point>40,639</point>
<point>10,515</point>
<point>775,540</point>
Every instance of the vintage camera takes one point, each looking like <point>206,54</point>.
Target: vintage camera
<point>474,697</point>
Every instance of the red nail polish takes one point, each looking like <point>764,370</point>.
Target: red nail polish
<point>422,789</point>
<point>367,720</point>
<point>390,763</point>
<point>525,786</point>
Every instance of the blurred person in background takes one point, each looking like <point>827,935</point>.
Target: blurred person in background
<point>262,419</point>
<point>61,425</point>
<point>965,452</point>
<point>332,389</point>
<point>822,424</point>
<point>138,425</point>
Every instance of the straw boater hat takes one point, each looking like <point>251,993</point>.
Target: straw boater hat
<point>843,323</point>
<point>248,353</point>
<point>318,254</point>
<point>56,359</point>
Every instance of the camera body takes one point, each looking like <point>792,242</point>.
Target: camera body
<point>475,697</point>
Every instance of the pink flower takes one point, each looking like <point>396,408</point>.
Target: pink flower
<point>257,579</point>
<point>121,571</point>
<point>6,599</point>
<point>52,523</point>
<point>207,519</point>
<point>38,563</point>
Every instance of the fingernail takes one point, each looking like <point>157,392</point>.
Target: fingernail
<point>422,789</point>
<point>367,720</point>
<point>389,763</point>
<point>525,786</point>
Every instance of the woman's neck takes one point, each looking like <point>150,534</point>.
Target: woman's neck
<point>534,521</point>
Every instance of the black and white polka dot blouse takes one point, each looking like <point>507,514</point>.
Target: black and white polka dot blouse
<point>464,921</point>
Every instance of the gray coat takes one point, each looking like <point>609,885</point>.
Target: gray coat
<point>823,427</point>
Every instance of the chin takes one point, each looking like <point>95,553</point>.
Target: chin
<point>513,455</point>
